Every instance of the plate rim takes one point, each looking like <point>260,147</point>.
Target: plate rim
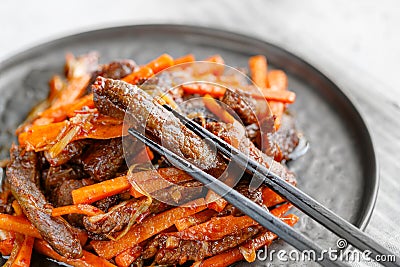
<point>24,53</point>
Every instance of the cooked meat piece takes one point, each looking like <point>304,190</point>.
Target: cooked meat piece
<point>242,104</point>
<point>227,132</point>
<point>55,176</point>
<point>281,143</point>
<point>114,98</point>
<point>29,166</point>
<point>62,195</point>
<point>106,203</point>
<point>181,194</point>
<point>103,159</point>
<point>117,69</point>
<point>170,250</point>
<point>113,70</point>
<point>118,216</point>
<point>70,151</point>
<point>54,230</point>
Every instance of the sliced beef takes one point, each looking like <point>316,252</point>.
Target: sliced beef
<point>169,249</point>
<point>117,69</point>
<point>114,98</point>
<point>72,150</point>
<point>243,105</point>
<point>54,230</point>
<point>227,132</point>
<point>62,196</point>
<point>106,203</point>
<point>103,159</point>
<point>54,176</point>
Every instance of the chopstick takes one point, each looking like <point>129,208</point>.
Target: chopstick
<point>302,201</point>
<point>248,207</point>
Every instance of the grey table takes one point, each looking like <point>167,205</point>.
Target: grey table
<point>357,44</point>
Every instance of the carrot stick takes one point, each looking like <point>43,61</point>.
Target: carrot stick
<point>128,256</point>
<point>68,110</point>
<point>141,74</point>
<point>203,89</point>
<point>7,239</point>
<point>184,59</point>
<point>216,228</point>
<point>212,105</point>
<point>87,260</point>
<point>23,258</point>
<point>215,59</point>
<point>277,80</point>
<point>92,193</point>
<point>43,137</point>
<point>258,70</point>
<point>270,198</point>
<point>146,229</point>
<point>162,62</point>
<point>17,208</point>
<point>39,136</point>
<point>76,87</point>
<point>276,95</point>
<point>84,209</point>
<point>19,240</point>
<point>194,219</point>
<point>18,224</point>
<point>233,255</point>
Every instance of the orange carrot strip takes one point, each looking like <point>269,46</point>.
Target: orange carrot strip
<point>184,59</point>
<point>7,239</point>
<point>212,105</point>
<point>18,224</point>
<point>87,260</point>
<point>23,258</point>
<point>39,136</point>
<point>17,208</point>
<point>194,219</point>
<point>133,192</point>
<point>203,89</point>
<point>276,95</point>
<point>277,80</point>
<point>141,74</point>
<point>91,193</point>
<point>162,62</point>
<point>270,198</point>
<point>215,59</point>
<point>84,209</point>
<point>68,110</point>
<point>258,70</point>
<point>76,87</point>
<point>233,255</point>
<point>128,256</point>
<point>216,228</point>
<point>146,229</point>
<point>42,137</point>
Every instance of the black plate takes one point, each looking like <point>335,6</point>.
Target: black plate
<point>340,170</point>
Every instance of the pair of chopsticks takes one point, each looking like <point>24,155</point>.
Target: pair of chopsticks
<point>302,201</point>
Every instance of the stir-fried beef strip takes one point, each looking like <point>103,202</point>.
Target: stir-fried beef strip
<point>54,230</point>
<point>228,132</point>
<point>243,105</point>
<point>103,159</point>
<point>170,249</point>
<point>114,98</point>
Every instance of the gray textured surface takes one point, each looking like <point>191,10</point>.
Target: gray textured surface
<point>355,43</point>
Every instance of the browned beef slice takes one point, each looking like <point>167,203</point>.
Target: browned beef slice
<point>242,104</point>
<point>170,250</point>
<point>54,230</point>
<point>103,159</point>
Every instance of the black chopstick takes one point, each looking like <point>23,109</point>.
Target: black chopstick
<point>302,201</point>
<point>248,207</point>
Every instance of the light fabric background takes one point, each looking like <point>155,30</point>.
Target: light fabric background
<point>357,41</point>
